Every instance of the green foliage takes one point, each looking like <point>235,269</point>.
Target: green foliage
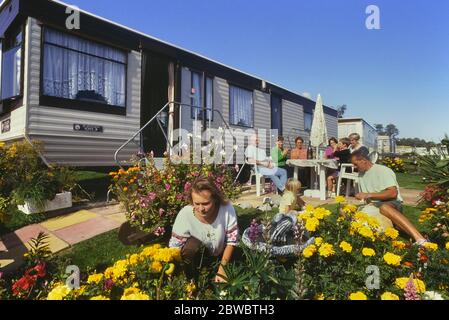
<point>256,277</point>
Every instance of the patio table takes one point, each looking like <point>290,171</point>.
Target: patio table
<point>319,166</point>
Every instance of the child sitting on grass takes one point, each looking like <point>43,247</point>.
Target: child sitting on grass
<point>291,199</point>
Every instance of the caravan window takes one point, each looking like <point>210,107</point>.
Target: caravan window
<point>196,97</point>
<point>240,107</point>
<point>11,65</point>
<point>79,69</point>
<point>308,118</point>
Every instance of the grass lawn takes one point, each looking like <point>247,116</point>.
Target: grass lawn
<point>89,175</point>
<point>96,253</point>
<point>410,181</point>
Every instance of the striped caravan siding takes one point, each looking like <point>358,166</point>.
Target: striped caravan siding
<point>332,126</point>
<point>54,126</point>
<point>292,122</point>
<point>16,123</point>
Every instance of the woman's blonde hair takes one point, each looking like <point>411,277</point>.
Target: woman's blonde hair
<point>294,186</point>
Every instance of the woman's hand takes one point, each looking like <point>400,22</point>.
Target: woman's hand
<point>220,274</point>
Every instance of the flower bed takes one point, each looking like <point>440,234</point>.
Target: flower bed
<point>352,259</point>
<point>152,198</point>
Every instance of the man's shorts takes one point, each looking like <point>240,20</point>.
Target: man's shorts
<point>395,203</point>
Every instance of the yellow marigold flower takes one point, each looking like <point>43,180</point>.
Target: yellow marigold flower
<point>326,250</point>
<point>309,208</point>
<point>95,278</point>
<point>309,251</point>
<point>358,296</point>
<point>58,293</point>
<point>419,284</point>
<point>447,245</point>
<point>150,251</point>
<point>321,213</point>
<point>368,252</point>
<point>349,208</point>
<point>340,199</point>
<point>391,233</point>
<point>170,269</point>
<point>361,216</point>
<point>346,247</point>
<point>134,294</point>
<point>125,189</point>
<point>100,298</point>
<point>112,173</point>
<point>389,296</point>
<point>399,244</point>
<point>134,259</point>
<point>366,232</point>
<point>156,266</point>
<point>318,241</point>
<point>392,259</point>
<point>318,297</point>
<point>431,246</point>
<point>312,224</point>
<point>373,222</point>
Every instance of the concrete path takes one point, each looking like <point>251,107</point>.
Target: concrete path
<point>63,232</point>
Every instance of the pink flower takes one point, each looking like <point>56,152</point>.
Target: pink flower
<point>410,292</point>
<point>152,196</point>
<point>160,231</point>
<point>187,186</point>
<point>179,196</point>
<point>161,212</point>
<point>167,187</point>
<point>1,275</point>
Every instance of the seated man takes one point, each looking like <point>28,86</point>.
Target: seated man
<point>266,167</point>
<point>380,187</point>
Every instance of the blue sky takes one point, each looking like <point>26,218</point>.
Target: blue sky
<point>398,74</point>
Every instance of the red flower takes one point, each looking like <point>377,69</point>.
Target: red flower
<point>40,270</point>
<point>23,285</point>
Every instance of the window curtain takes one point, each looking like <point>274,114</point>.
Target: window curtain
<point>308,118</point>
<point>11,68</point>
<point>196,98</point>
<point>209,98</point>
<point>241,105</point>
<point>74,67</point>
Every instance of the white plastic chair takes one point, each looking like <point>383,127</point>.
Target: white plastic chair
<point>260,178</point>
<point>347,172</point>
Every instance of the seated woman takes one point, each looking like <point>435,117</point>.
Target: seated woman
<point>343,154</point>
<point>331,148</point>
<point>300,153</point>
<point>209,221</point>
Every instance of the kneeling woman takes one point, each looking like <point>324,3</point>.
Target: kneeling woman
<point>209,221</point>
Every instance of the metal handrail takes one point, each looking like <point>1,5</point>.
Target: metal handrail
<point>155,117</point>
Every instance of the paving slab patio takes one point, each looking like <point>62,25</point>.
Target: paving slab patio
<point>68,220</point>
<point>86,230</point>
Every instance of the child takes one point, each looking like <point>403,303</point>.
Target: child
<point>291,199</point>
<point>344,156</point>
